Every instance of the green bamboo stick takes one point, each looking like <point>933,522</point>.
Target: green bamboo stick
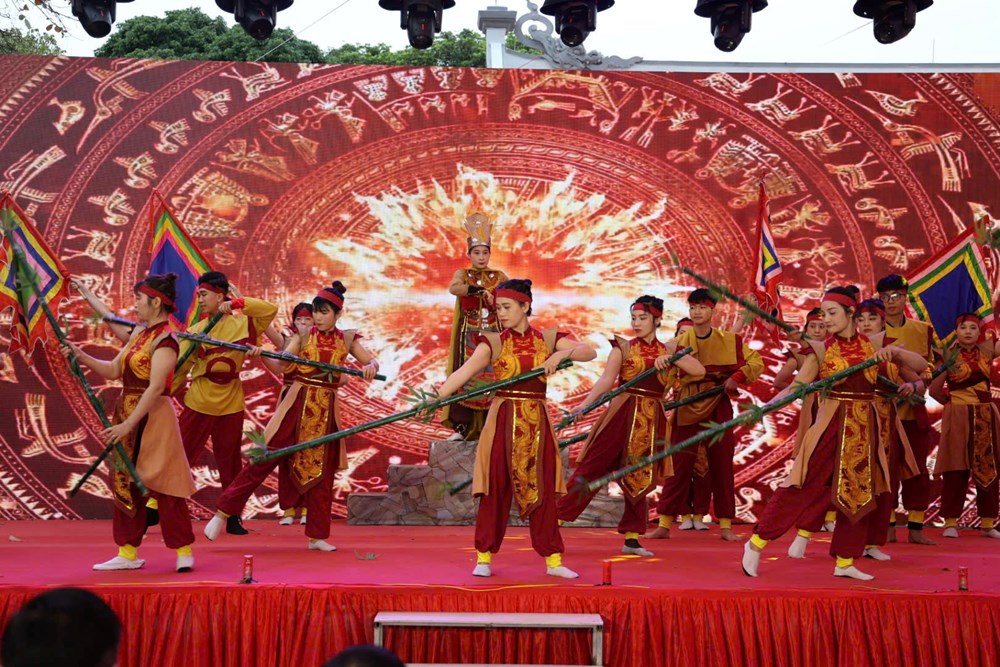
<point>26,276</point>
<point>399,416</point>
<point>746,417</point>
<point>625,386</point>
<point>212,321</point>
<point>280,356</point>
<point>563,444</point>
<point>708,393</point>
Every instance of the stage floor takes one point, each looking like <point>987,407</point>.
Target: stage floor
<point>47,553</point>
<point>689,604</point>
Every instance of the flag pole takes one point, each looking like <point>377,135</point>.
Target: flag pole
<point>26,276</point>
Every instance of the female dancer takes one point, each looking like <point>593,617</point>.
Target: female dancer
<point>289,499</point>
<point>632,425</point>
<point>309,409</point>
<point>518,455</point>
<point>839,454</point>
<point>970,429</point>
<point>145,424</point>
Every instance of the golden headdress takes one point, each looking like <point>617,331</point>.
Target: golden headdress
<point>479,227</point>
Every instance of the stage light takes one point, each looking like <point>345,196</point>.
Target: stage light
<point>575,19</point>
<point>258,17</point>
<point>730,19</point>
<point>892,20</point>
<point>96,16</point>
<point>419,18</point>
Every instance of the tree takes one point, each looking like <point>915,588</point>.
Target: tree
<point>28,42</point>
<point>190,34</point>
<point>466,49</point>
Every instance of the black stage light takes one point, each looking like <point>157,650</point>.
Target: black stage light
<point>730,19</point>
<point>575,19</point>
<point>892,20</point>
<point>96,16</point>
<point>421,19</point>
<point>258,17</point>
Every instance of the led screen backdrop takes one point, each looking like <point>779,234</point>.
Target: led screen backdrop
<point>291,176</point>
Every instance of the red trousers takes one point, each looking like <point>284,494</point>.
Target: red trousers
<point>674,499</point>
<point>316,499</point>
<point>226,432</point>
<point>494,508</point>
<point>289,496</point>
<point>956,486</point>
<point>917,489</point>
<point>175,522</point>
<point>700,496</point>
<point>805,506</point>
<point>603,456</point>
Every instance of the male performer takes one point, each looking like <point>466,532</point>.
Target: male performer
<point>729,362</point>
<point>914,336</point>
<point>214,405</point>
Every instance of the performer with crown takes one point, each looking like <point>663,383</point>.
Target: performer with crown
<point>475,313</point>
<point>632,425</point>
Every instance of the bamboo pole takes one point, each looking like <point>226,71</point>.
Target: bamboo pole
<point>399,416</point>
<point>280,356</point>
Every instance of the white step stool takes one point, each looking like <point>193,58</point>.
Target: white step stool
<point>495,620</point>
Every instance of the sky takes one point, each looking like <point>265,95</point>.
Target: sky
<point>788,31</point>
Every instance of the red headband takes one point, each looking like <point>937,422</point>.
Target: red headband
<point>328,294</point>
<point>505,293</point>
<point>154,293</point>
<point>702,302</point>
<point>872,309</point>
<point>652,310</point>
<point>211,288</point>
<point>815,317</point>
<point>301,308</point>
<point>842,299</point>
<point>968,318</point>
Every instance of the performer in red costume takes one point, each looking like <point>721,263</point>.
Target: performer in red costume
<point>308,410</point>
<point>728,361</point>
<point>840,452</point>
<point>518,454</point>
<point>970,429</point>
<point>632,425</point>
<point>214,405</point>
<point>145,424</point>
<point>915,336</point>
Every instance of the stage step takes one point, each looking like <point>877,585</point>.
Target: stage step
<point>419,495</point>
<point>593,622</point>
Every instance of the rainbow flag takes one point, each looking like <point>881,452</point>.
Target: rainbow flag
<point>173,251</point>
<point>950,283</point>
<point>28,323</point>
<point>768,274</point>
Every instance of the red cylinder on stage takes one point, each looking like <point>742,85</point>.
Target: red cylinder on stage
<point>247,569</point>
<point>606,573</point>
<point>963,578</point>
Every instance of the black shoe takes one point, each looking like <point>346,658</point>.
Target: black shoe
<point>152,517</point>
<point>234,526</point>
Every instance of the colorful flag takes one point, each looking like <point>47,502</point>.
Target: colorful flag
<point>28,323</point>
<point>173,251</point>
<point>768,275</point>
<point>950,283</point>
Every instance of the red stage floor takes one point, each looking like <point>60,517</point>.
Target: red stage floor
<point>690,603</point>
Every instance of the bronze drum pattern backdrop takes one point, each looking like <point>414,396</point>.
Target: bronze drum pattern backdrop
<point>290,176</point>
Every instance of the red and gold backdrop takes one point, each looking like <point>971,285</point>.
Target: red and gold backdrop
<point>291,176</point>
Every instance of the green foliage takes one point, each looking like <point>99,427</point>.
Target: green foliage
<point>190,34</point>
<point>28,42</point>
<point>466,49</point>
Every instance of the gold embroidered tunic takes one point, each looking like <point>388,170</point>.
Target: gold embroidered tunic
<point>970,425</point>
